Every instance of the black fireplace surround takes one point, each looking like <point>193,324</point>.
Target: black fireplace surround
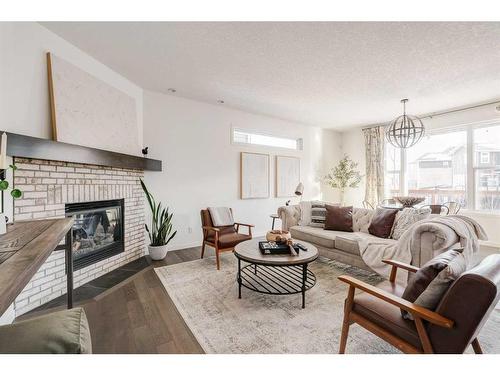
<point>98,231</point>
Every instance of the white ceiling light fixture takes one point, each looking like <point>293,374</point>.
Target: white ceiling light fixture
<point>406,130</point>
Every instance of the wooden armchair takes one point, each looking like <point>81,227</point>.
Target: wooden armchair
<point>438,209</point>
<point>454,325</point>
<point>222,238</point>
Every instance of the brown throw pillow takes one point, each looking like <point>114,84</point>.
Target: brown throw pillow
<point>382,221</point>
<point>338,218</point>
<point>432,280</point>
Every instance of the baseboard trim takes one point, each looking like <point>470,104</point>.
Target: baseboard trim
<point>185,246</point>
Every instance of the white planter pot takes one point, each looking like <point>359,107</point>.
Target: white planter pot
<point>3,226</point>
<point>157,252</point>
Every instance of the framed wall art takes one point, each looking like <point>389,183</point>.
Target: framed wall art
<point>254,175</point>
<point>89,112</point>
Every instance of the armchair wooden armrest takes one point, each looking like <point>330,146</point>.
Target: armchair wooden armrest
<point>416,310</point>
<point>246,225</point>
<point>249,226</point>
<point>211,228</point>
<point>395,265</point>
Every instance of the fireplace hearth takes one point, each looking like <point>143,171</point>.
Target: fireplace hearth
<point>98,231</point>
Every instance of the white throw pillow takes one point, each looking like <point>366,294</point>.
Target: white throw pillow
<point>406,218</point>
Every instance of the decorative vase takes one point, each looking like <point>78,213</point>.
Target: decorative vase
<point>342,197</point>
<point>157,252</point>
<point>408,202</point>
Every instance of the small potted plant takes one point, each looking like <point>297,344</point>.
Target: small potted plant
<point>160,232</point>
<point>15,193</point>
<point>344,175</point>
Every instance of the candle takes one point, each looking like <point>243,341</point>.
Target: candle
<point>3,152</point>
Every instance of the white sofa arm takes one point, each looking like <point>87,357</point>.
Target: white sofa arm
<point>431,239</point>
<point>289,215</point>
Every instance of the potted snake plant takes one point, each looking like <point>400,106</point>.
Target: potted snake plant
<point>160,232</point>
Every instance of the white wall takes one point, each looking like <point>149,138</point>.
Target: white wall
<point>201,166</point>
<point>353,145</point>
<point>24,99</point>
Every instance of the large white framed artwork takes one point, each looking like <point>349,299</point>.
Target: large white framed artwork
<point>254,175</point>
<point>287,175</point>
<point>89,112</point>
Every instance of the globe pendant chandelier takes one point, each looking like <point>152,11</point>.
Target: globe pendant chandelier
<point>405,130</point>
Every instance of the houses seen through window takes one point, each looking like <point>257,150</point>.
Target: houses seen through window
<point>437,168</point>
<point>441,169</point>
<point>487,168</point>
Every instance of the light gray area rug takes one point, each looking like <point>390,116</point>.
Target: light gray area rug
<point>208,301</point>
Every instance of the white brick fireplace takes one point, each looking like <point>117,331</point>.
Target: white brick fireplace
<point>47,186</point>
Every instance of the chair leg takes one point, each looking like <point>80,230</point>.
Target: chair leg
<point>203,249</point>
<point>346,322</point>
<point>217,258</point>
<point>345,333</point>
<point>476,346</point>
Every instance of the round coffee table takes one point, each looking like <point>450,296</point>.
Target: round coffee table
<point>275,274</point>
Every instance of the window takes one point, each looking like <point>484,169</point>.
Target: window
<point>487,167</point>
<point>437,168</point>
<point>260,139</point>
<point>484,157</point>
<point>457,165</point>
<point>392,170</point>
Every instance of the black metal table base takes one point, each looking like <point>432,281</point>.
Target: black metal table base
<point>276,280</point>
<point>69,269</point>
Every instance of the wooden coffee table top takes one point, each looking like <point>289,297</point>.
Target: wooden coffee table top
<point>249,251</point>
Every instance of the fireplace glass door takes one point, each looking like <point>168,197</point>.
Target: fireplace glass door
<point>97,231</point>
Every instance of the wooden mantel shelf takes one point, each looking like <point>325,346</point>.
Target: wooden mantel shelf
<point>38,148</point>
<point>23,249</point>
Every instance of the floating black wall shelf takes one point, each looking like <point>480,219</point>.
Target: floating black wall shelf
<point>38,148</point>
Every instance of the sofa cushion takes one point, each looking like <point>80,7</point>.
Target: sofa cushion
<point>62,332</point>
<point>432,280</point>
<point>382,221</point>
<point>338,218</point>
<point>349,242</point>
<point>314,235</point>
<point>361,218</point>
<point>232,239</point>
<point>318,214</point>
<point>406,218</point>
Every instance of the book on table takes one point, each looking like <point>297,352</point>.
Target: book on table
<point>277,248</point>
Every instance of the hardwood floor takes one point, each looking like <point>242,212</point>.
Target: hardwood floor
<point>138,316</point>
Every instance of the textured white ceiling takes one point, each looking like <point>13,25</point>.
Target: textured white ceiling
<point>330,74</point>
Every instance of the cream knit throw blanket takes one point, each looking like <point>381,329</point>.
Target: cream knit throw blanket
<point>374,250</point>
<point>221,216</point>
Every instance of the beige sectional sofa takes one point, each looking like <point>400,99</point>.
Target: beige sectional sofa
<point>428,240</point>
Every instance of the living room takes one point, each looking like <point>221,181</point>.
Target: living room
<point>249,186</point>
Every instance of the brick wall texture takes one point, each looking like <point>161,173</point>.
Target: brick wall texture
<point>47,186</point>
